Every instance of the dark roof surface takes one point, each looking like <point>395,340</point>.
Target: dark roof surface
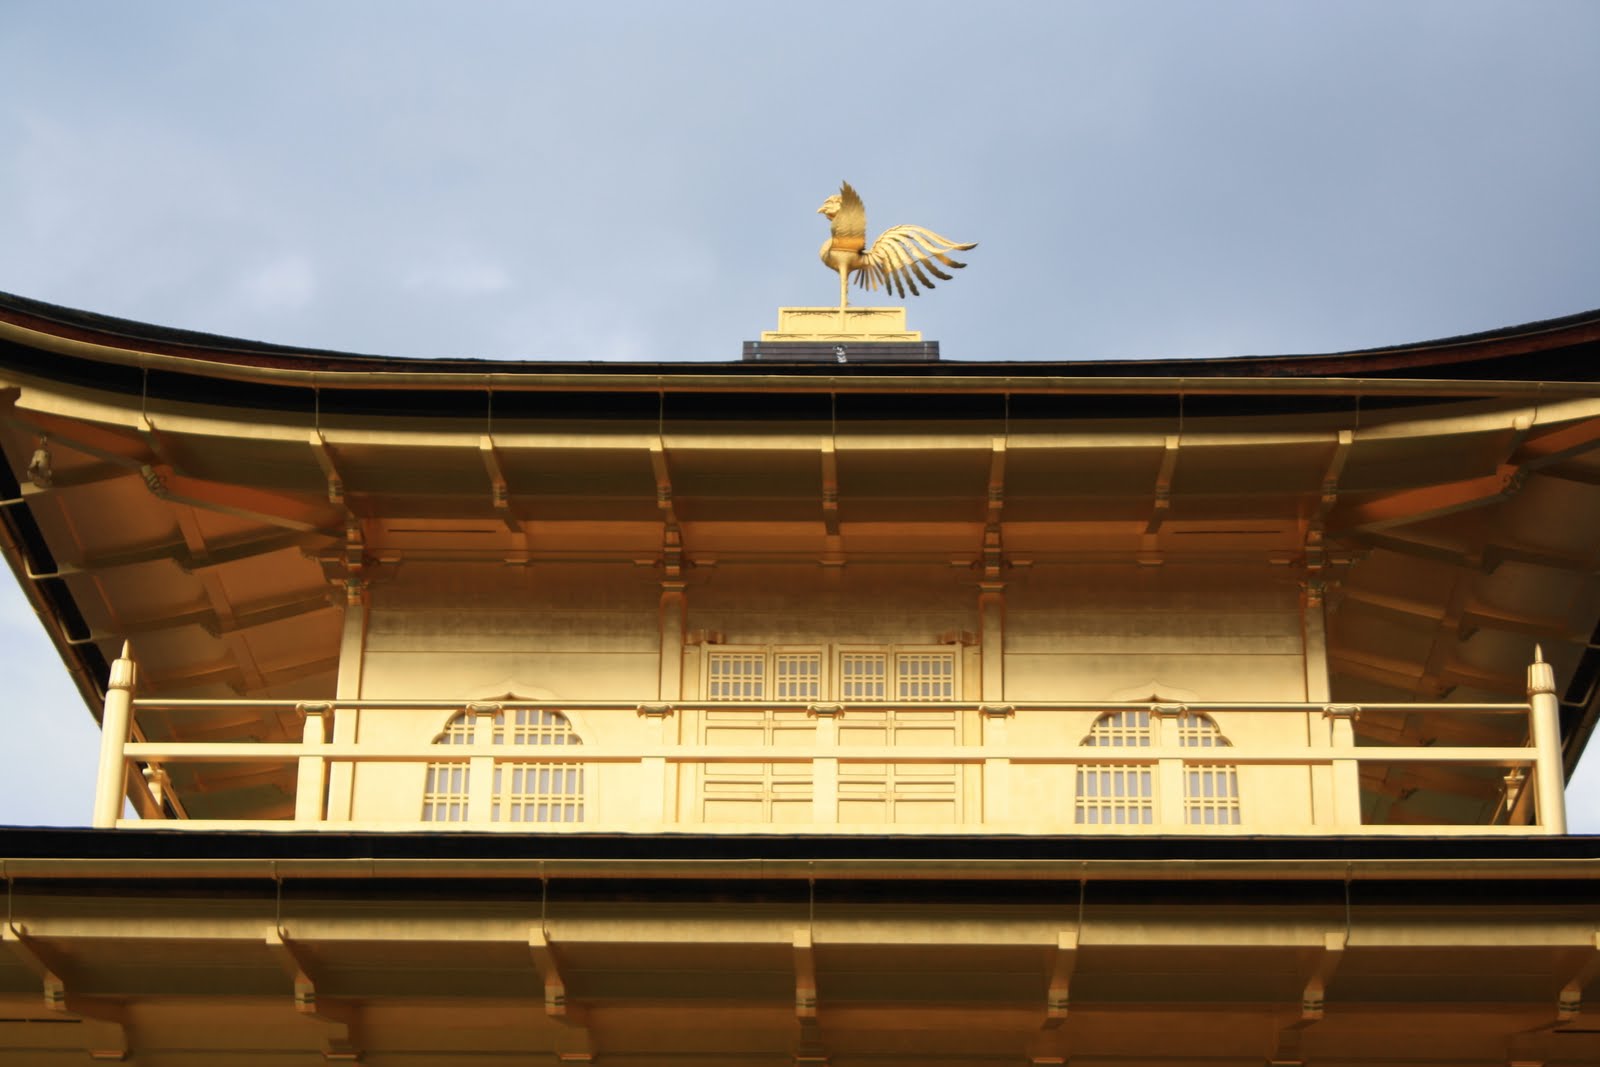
<point>18,843</point>
<point>1561,349</point>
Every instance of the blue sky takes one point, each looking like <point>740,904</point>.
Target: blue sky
<point>639,181</point>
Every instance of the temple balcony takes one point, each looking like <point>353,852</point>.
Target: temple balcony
<point>923,767</point>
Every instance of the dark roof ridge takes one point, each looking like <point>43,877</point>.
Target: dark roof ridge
<point>1564,332</point>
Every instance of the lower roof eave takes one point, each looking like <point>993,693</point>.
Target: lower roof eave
<point>69,854</point>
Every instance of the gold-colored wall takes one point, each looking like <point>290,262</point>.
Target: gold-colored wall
<point>1174,633</point>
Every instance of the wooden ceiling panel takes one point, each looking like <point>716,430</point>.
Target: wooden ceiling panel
<point>1386,463</point>
<point>1054,473</point>
<point>1238,470</point>
<point>734,474</point>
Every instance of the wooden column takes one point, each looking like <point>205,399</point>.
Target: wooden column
<point>996,771</point>
<point>312,777</point>
<point>116,720</point>
<point>653,800</point>
<point>1169,772</point>
<point>825,770</point>
<point>674,607</point>
<point>992,687</point>
<point>347,721</point>
<point>674,610</point>
<point>1346,773</point>
<point>1313,621</point>
<point>480,779</point>
<point>992,639</point>
<point>1544,721</point>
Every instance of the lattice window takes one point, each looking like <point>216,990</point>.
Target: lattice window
<point>737,676</point>
<point>523,792</point>
<point>1111,794</point>
<point>536,792</point>
<point>863,676</point>
<point>925,676</point>
<point>759,792</point>
<point>878,792</point>
<point>445,789</point>
<point>1210,793</point>
<point>797,676</point>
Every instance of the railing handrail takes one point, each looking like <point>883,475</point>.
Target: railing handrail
<point>633,705</point>
<point>287,751</point>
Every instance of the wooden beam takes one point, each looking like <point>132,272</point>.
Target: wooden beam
<point>263,613</point>
<point>88,475</point>
<point>324,455</point>
<point>546,962</point>
<point>1416,777</point>
<point>1474,617</point>
<point>1486,559</point>
<point>1313,999</point>
<point>1571,472</point>
<point>663,477</point>
<point>1570,1002</point>
<point>1428,502</point>
<point>499,489</point>
<point>232,675</point>
<point>1331,475</point>
<point>1548,449</point>
<point>340,1039</point>
<point>101,442</point>
<point>1404,674</point>
<point>1163,488</point>
<point>257,505</point>
<point>997,480</point>
<point>1451,555</point>
<point>42,963</point>
<point>1497,553</point>
<point>805,977</point>
<point>178,552</point>
<point>1058,997</point>
<point>830,489</point>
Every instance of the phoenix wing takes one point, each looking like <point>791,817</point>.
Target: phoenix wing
<point>850,224</point>
<point>902,256</point>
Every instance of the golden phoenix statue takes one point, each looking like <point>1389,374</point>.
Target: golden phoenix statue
<point>896,259</point>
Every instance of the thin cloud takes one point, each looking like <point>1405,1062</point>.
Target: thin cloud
<point>288,283</point>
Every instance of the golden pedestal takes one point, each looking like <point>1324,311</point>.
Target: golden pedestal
<point>842,324</point>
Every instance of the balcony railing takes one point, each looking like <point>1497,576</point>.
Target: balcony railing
<point>1527,778</point>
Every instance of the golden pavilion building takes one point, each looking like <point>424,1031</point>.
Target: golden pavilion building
<point>839,704</point>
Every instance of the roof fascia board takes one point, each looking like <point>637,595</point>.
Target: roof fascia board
<point>144,868</point>
<point>733,381</point>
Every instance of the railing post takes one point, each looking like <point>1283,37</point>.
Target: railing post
<point>159,786</point>
<point>825,769</point>
<point>480,776</point>
<point>1544,723</point>
<point>653,769</point>
<point>111,783</point>
<point>996,770</point>
<point>1169,772</point>
<point>312,779</point>
<point>1346,772</point>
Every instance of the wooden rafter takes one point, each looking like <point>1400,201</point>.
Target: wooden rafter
<point>1428,502</point>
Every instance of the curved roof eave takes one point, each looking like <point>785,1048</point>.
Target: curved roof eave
<point>1539,354</point>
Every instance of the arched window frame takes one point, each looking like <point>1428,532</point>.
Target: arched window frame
<point>1117,794</point>
<point>1125,794</point>
<point>532,791</point>
<point>1210,791</point>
